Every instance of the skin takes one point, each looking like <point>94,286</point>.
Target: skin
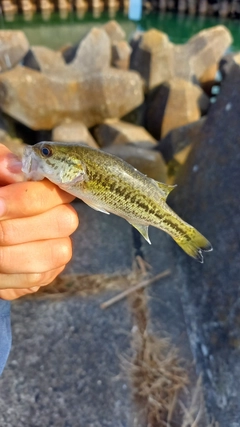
<point>36,221</point>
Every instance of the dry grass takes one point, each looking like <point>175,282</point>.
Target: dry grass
<point>161,384</point>
<point>136,287</point>
<point>91,284</point>
<point>157,378</point>
<point>82,285</point>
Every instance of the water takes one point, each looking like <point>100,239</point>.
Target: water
<point>56,32</point>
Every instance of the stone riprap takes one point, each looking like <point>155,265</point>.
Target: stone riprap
<point>90,99</point>
<point>41,58</point>
<point>121,52</point>
<point>70,131</point>
<point>13,47</point>
<point>177,142</point>
<point>93,53</point>
<point>173,104</point>
<point>158,60</point>
<point>83,83</point>
<point>114,31</point>
<point>113,132</point>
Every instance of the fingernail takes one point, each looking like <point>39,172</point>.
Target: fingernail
<point>14,165</point>
<point>2,207</point>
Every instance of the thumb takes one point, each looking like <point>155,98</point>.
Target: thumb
<point>10,167</point>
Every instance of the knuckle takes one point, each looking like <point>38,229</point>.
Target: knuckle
<point>7,233</point>
<point>71,219</point>
<point>62,253</point>
<point>2,259</point>
<point>66,251</point>
<point>35,279</point>
<point>51,275</point>
<point>5,259</point>
<point>66,220</point>
<point>2,233</point>
<point>42,279</point>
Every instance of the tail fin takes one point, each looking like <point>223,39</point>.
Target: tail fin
<point>193,243</point>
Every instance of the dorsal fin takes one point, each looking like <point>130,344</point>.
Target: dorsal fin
<point>165,188</point>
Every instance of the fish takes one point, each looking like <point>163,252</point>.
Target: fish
<point>108,184</point>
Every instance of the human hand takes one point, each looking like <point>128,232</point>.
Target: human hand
<point>36,221</point>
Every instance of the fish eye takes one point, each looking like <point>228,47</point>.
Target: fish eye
<point>46,152</point>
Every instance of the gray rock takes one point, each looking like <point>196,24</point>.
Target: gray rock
<point>8,135</point>
<point>93,53</point>
<point>183,105</point>
<point>158,60</point>
<point>120,132</point>
<point>210,79</point>
<point>152,57</point>
<point>14,46</point>
<point>43,59</point>
<point>175,103</point>
<point>136,116</point>
<point>69,53</point>
<point>114,31</point>
<point>226,64</point>
<point>207,47</point>
<point>96,97</point>
<point>121,52</point>
<point>175,143</point>
<point>31,61</point>
<point>236,58</point>
<point>207,197</point>
<point>73,132</point>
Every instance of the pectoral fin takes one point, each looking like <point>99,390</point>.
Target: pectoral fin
<point>75,173</point>
<point>165,189</point>
<point>73,177</point>
<point>143,229</point>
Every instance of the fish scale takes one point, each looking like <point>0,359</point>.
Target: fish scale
<point>110,185</point>
<point>117,194</point>
<point>145,211</point>
<point>110,189</point>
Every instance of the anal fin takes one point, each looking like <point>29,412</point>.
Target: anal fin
<point>143,229</point>
<point>95,207</point>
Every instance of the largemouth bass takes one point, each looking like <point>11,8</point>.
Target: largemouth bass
<point>110,185</point>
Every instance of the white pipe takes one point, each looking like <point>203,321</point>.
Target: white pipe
<point>135,10</point>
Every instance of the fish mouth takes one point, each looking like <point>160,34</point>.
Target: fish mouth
<point>27,160</point>
<point>30,165</point>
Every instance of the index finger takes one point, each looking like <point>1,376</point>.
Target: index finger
<point>30,198</point>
